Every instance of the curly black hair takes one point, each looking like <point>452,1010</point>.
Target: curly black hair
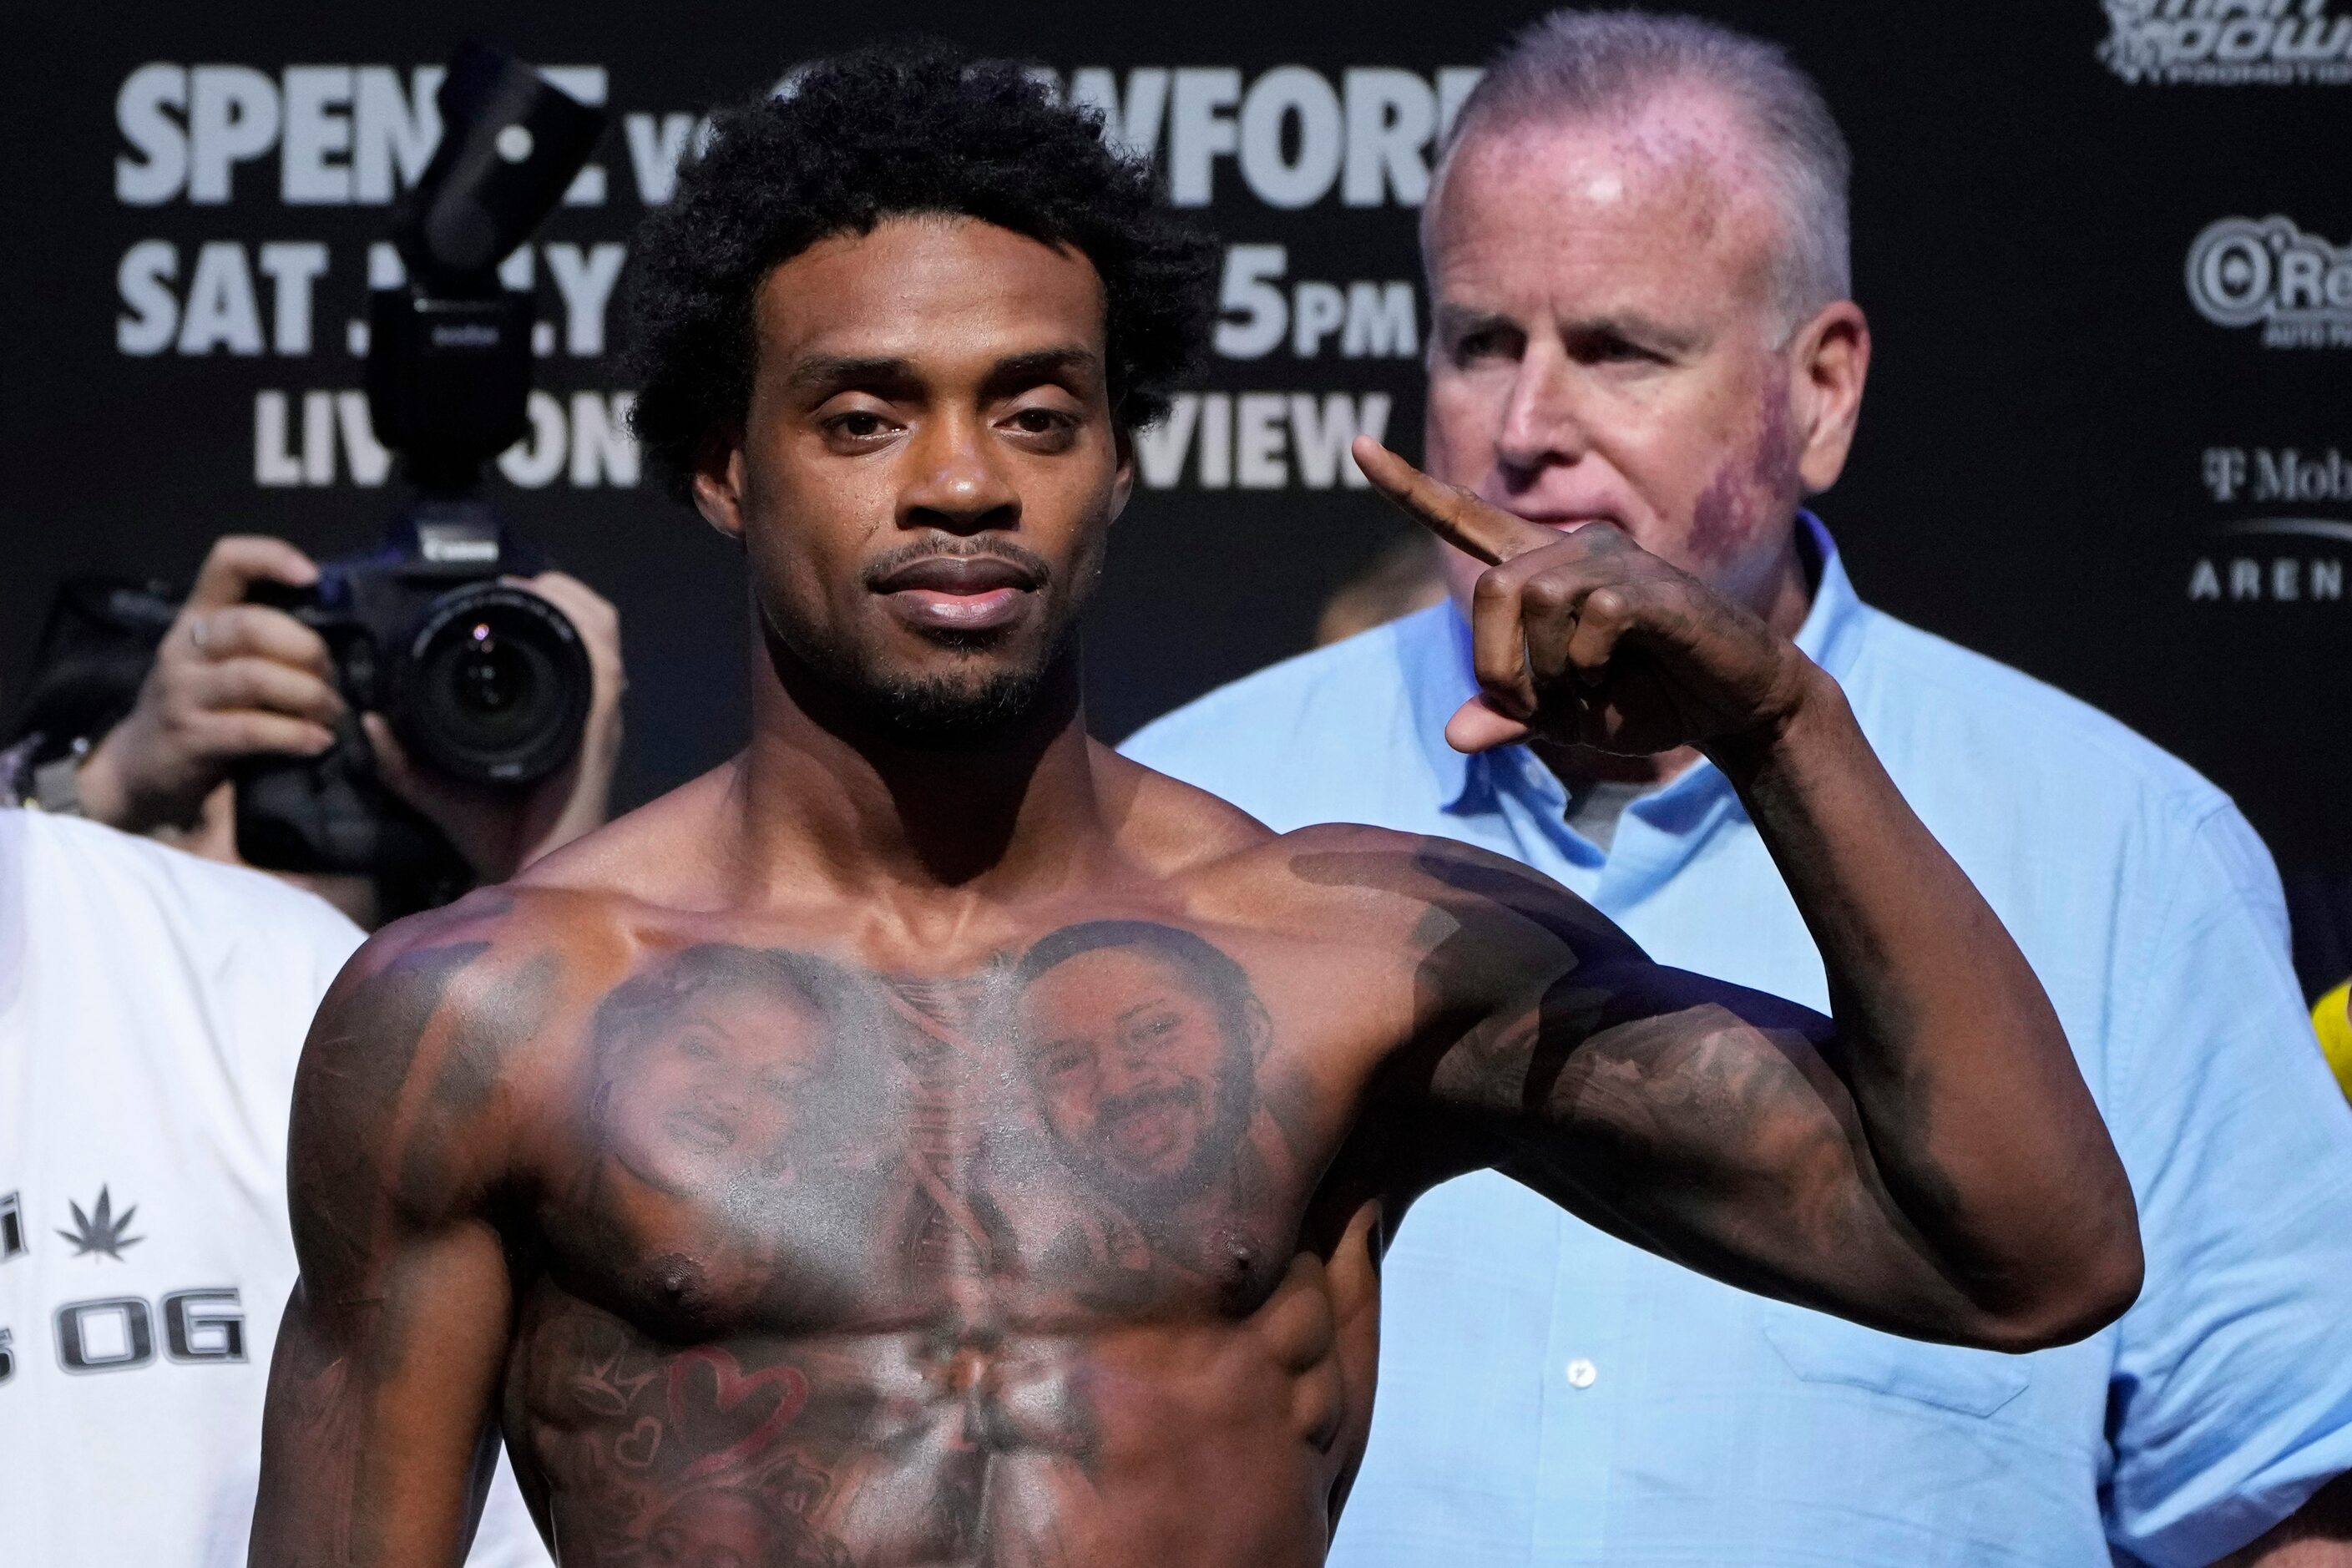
<point>889,131</point>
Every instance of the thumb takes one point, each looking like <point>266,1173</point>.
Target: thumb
<point>238,561</point>
<point>1477,727</point>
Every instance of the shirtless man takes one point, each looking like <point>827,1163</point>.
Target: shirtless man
<point>930,1139</point>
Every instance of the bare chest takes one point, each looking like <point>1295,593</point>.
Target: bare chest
<point>1102,1128</point>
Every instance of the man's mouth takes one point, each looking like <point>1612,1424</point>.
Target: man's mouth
<point>958,592</point>
<point>1149,1127</point>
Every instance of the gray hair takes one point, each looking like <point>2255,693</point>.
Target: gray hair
<point>1574,65</point>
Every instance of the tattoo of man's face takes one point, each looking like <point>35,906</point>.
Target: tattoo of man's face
<point>735,1527</point>
<point>1139,1043</point>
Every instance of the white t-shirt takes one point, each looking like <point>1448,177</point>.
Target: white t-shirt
<point>153,1007</point>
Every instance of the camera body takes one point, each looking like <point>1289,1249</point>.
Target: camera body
<point>483,681</point>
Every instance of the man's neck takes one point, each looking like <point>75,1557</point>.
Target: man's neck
<point>1784,601</point>
<point>998,817</point>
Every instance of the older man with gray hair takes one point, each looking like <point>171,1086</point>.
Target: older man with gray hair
<point>1637,249</point>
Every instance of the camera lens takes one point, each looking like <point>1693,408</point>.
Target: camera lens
<point>491,678</point>
<point>495,686</point>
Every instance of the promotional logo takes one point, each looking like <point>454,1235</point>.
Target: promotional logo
<point>2230,43</point>
<point>2295,286</point>
<point>2283,555</point>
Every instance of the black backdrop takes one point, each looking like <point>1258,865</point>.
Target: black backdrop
<point>2102,441</point>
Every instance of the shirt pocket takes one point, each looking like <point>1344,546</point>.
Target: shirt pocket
<point>1822,1349</point>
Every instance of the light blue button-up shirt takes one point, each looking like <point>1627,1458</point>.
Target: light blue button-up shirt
<point>1552,1395</point>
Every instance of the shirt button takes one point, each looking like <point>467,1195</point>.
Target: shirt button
<point>1582,1373</point>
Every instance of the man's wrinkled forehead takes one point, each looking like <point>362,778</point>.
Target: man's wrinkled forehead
<point>1679,166</point>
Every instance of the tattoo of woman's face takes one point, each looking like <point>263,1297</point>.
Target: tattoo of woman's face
<point>732,1066</point>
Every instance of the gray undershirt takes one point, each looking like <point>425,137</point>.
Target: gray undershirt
<point>1594,806</point>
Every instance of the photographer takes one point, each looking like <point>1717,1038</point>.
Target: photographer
<point>233,679</point>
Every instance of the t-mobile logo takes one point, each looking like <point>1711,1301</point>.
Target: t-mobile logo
<point>2225,471</point>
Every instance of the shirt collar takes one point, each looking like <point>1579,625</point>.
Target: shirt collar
<point>1830,637</point>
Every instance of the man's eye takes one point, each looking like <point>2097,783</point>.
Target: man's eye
<point>1151,1028</point>
<point>858,424</point>
<point>1488,343</point>
<point>1610,348</point>
<point>1043,421</point>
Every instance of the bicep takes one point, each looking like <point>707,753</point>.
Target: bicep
<point>376,1435</point>
<point>1696,1119</point>
<point>1689,1116</point>
<point>377,1439</point>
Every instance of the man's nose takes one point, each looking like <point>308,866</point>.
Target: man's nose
<point>1540,426</point>
<point>1128,1068</point>
<point>961,485</point>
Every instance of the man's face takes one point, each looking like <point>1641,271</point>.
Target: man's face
<point>719,1095</point>
<point>1132,1069</point>
<point>927,467</point>
<point>1607,343</point>
<point>713,1529</point>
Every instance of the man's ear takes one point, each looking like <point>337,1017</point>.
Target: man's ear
<point>1260,1025</point>
<point>1122,483</point>
<point>719,484</point>
<point>1829,359</point>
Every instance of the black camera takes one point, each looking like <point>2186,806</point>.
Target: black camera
<point>481,680</point>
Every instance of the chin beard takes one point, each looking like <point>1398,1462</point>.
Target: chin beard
<point>932,710</point>
<point>944,710</point>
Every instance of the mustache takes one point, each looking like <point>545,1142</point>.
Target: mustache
<point>948,547</point>
<point>1118,1107</point>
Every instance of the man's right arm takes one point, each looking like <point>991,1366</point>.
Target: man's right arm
<point>377,1442</point>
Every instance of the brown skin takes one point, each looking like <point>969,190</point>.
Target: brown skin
<point>889,1150</point>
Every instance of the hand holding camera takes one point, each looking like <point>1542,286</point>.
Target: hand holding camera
<point>230,679</point>
<point>508,691</point>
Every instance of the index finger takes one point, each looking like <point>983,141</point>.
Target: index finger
<point>238,561</point>
<point>1455,515</point>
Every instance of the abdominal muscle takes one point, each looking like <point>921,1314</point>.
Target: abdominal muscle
<point>951,1439</point>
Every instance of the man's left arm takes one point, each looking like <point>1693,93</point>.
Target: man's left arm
<point>1933,1164</point>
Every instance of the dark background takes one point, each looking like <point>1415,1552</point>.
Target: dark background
<point>2028,479</point>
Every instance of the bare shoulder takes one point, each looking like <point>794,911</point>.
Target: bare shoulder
<point>1431,898</point>
<point>475,1011</point>
<point>432,1054</point>
<point>1186,832</point>
<point>459,965</point>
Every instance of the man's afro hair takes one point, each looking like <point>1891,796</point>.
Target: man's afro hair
<point>885,132</point>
